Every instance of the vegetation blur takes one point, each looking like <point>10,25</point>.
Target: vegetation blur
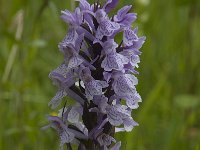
<point>169,80</point>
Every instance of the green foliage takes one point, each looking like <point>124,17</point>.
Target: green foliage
<point>168,82</point>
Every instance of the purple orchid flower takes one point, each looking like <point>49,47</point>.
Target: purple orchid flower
<point>99,74</point>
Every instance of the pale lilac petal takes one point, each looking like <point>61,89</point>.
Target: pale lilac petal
<point>65,135</point>
<point>129,124</point>
<point>114,116</point>
<point>130,38</point>
<point>101,15</point>
<point>67,16</point>
<point>73,115</point>
<point>110,46</point>
<point>114,61</point>
<point>94,87</point>
<point>107,76</point>
<point>107,28</point>
<point>128,19</point>
<point>56,100</point>
<point>137,44</point>
<point>133,100</point>
<point>70,38</point>
<point>111,4</point>
<point>82,128</point>
<point>124,84</point>
<point>101,101</point>
<point>84,5</point>
<point>75,61</point>
<point>133,58</point>
<point>86,33</point>
<point>121,13</point>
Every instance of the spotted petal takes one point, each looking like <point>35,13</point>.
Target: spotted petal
<point>114,116</point>
<point>130,38</point>
<point>133,58</point>
<point>62,76</point>
<point>114,61</point>
<point>70,38</point>
<point>124,84</point>
<point>110,46</point>
<point>75,61</point>
<point>94,87</point>
<point>106,28</point>
<point>133,100</point>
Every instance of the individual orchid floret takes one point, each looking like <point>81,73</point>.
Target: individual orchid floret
<point>74,19</point>
<point>70,38</point>
<point>120,114</point>
<point>92,87</point>
<point>66,134</point>
<point>106,26</point>
<point>125,18</point>
<point>124,84</point>
<point>113,60</point>
<point>130,38</point>
<point>62,77</point>
<point>73,116</point>
<point>72,58</point>
<point>133,100</point>
<point>134,59</point>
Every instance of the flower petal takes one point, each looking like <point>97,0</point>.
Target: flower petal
<point>129,124</point>
<point>124,84</point>
<point>133,100</point>
<point>121,13</point>
<point>75,61</point>
<point>73,115</point>
<point>114,117</point>
<point>114,61</point>
<point>111,4</point>
<point>56,100</point>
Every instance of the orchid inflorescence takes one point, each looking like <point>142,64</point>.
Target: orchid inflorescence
<point>98,74</point>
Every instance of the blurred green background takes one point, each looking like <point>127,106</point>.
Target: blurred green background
<point>169,80</point>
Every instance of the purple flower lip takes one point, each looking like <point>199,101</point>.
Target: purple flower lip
<point>99,74</point>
